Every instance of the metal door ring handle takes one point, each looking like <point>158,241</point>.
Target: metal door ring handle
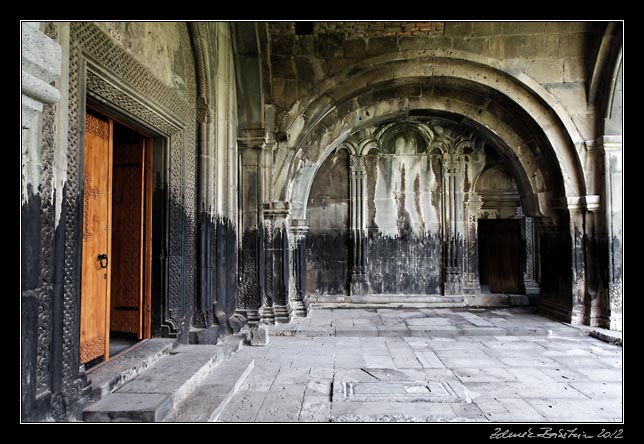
<point>101,258</point>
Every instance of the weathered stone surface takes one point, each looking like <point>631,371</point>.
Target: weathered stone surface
<point>129,407</point>
<point>115,373</point>
<point>208,401</point>
<point>259,335</point>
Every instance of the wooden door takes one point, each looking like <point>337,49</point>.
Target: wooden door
<point>95,280</point>
<point>128,229</point>
<point>500,255</point>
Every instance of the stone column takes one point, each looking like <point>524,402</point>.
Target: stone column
<point>206,248</point>
<point>452,226</point>
<point>596,296</point>
<point>613,207</point>
<point>297,288</point>
<point>251,258</point>
<point>276,306</point>
<point>530,275</point>
<point>580,312</point>
<point>358,236</point>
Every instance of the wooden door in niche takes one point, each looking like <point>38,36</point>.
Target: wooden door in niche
<point>500,255</point>
<point>130,312</point>
<point>117,237</point>
<point>95,268</point>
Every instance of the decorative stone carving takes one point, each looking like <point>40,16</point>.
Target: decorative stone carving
<point>41,64</point>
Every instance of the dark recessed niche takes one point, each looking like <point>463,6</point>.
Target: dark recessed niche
<point>303,28</point>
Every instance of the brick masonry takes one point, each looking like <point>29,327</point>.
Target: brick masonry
<point>365,29</point>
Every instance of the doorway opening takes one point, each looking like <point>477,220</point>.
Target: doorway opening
<point>117,239</point>
<point>500,255</point>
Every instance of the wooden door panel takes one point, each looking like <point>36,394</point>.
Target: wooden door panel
<point>127,238</point>
<point>500,255</point>
<point>95,280</point>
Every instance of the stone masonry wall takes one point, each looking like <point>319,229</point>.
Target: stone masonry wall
<point>555,54</point>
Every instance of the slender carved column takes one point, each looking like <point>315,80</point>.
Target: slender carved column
<point>251,258</point>
<point>297,288</point>
<point>530,274</point>
<point>452,209</point>
<point>277,305</point>
<point>358,236</point>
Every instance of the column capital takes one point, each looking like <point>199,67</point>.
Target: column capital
<point>590,202</point>
<point>276,209</point>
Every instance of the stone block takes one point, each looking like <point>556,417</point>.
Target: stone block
<point>329,45</point>
<point>259,335</point>
<point>129,407</point>
<point>486,29</point>
<point>568,27</point>
<point>575,69</point>
<point>544,70</point>
<point>304,45</point>
<point>315,409</point>
<point>355,49</point>
<point>309,69</point>
<point>525,46</point>
<point>574,45</point>
<point>381,45</point>
<point>282,44</point>
<point>283,67</point>
<point>523,28</point>
<point>243,407</point>
<point>458,29</point>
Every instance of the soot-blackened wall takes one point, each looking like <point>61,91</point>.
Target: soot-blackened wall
<point>328,238</point>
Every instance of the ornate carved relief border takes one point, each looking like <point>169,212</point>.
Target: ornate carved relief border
<point>131,88</point>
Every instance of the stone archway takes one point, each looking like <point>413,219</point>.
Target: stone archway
<point>532,132</point>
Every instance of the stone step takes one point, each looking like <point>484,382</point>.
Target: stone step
<point>210,399</point>
<point>152,395</point>
<point>113,374</point>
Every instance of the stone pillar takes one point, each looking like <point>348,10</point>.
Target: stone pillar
<point>452,224</point>
<point>613,207</point>
<point>530,274</point>
<point>251,258</point>
<point>297,288</point>
<point>596,296</point>
<point>580,313</point>
<point>206,234</point>
<point>358,236</point>
<point>276,306</point>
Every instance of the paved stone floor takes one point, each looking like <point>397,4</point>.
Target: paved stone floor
<point>548,372</point>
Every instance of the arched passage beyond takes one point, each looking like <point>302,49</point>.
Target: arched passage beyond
<point>530,134</point>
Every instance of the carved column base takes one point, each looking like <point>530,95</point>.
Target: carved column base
<point>359,284</point>
<point>252,315</point>
<point>283,314</point>
<point>531,287</point>
<point>267,315</point>
<point>578,315</point>
<point>615,297</point>
<point>616,320</point>
<point>301,308</point>
<point>453,282</point>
